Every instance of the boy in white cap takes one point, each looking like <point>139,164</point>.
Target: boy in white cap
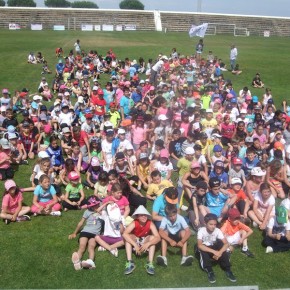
<point>141,235</point>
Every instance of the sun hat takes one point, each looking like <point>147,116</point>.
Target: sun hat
<point>257,171</point>
<point>141,210</point>
<point>171,195</point>
<point>9,184</point>
<point>92,201</point>
<point>12,136</point>
<point>162,117</point>
<point>73,176</point>
<point>236,180</point>
<point>189,151</point>
<point>164,153</point>
<point>4,143</point>
<point>233,213</point>
<point>237,161</point>
<point>194,164</point>
<point>281,214</point>
<point>95,161</point>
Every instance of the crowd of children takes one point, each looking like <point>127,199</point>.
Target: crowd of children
<point>128,141</point>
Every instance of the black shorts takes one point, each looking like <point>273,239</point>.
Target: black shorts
<point>175,237</point>
<point>87,235</point>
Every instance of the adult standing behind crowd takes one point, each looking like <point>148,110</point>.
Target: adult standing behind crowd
<point>233,56</point>
<point>157,67</point>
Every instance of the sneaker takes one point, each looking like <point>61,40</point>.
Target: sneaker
<point>76,261</point>
<point>269,250</point>
<point>186,261</point>
<point>23,218</point>
<point>101,249</point>
<point>255,225</point>
<point>35,214</point>
<point>184,208</point>
<point>25,162</point>
<point>114,252</point>
<point>150,268</point>
<point>211,277</point>
<point>248,253</point>
<point>88,264</point>
<point>162,261</point>
<point>56,213</point>
<point>231,276</point>
<point>130,267</point>
<point>7,221</point>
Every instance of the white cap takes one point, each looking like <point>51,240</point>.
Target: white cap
<point>257,171</point>
<point>243,111</point>
<point>95,88</point>
<point>236,180</point>
<point>162,117</point>
<point>37,97</point>
<point>129,147</point>
<point>43,154</point>
<point>189,151</point>
<point>121,131</point>
<point>142,82</point>
<point>3,109</point>
<point>164,57</point>
<point>80,99</point>
<point>209,111</point>
<point>66,94</point>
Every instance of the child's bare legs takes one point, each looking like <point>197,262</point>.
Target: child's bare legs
<point>184,247</point>
<point>243,233</point>
<point>163,248</point>
<point>82,246</point>
<point>128,248</point>
<point>151,249</point>
<point>91,249</point>
<point>24,210</point>
<point>254,217</point>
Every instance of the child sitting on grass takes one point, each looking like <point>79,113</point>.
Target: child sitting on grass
<point>143,236</point>
<point>211,244</point>
<point>278,232</point>
<point>174,231</point>
<point>87,236</point>
<point>12,209</point>
<point>236,232</point>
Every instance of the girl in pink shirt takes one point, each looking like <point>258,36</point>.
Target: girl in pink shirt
<point>12,209</point>
<point>138,132</point>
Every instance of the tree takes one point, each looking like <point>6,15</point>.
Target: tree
<point>21,3</point>
<point>57,3</point>
<point>2,3</point>
<point>84,4</point>
<point>131,4</point>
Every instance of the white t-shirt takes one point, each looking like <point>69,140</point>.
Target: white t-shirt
<point>207,238</point>
<point>158,65</point>
<point>278,228</point>
<point>163,168</point>
<point>286,203</point>
<point>123,145</point>
<point>262,206</point>
<point>65,118</point>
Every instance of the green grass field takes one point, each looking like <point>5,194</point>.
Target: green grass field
<point>37,254</point>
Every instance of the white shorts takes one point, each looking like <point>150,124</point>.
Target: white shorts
<point>234,239</point>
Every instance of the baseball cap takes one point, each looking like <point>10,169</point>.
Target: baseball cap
<point>119,155</point>
<point>95,161</point>
<point>189,151</point>
<point>237,161</point>
<point>37,97</point>
<point>249,140</point>
<point>278,145</point>
<point>42,154</point>
<point>89,116</point>
<point>25,124</point>
<point>142,155</point>
<point>236,180</point>
<point>80,99</point>
<point>209,111</point>
<point>217,148</point>
<point>73,176</point>
<point>171,195</point>
<point>281,214</point>
<point>219,163</point>
<point>257,171</point>
<point>162,117</point>
<point>255,99</point>
<point>12,136</point>
<point>214,181</point>
<point>216,135</point>
<point>126,122</point>
<point>95,88</point>
<point>5,91</point>
<point>110,132</point>
<point>121,131</point>
<point>65,130</point>
<point>9,184</point>
<point>25,113</point>
<point>194,164</point>
<point>164,153</point>
<point>233,213</point>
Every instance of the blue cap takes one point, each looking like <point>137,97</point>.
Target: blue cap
<point>217,148</point>
<point>34,105</point>
<point>255,99</point>
<point>234,100</point>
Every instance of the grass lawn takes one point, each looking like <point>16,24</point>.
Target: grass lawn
<point>41,247</point>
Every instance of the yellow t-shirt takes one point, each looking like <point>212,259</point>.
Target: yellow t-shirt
<point>157,189</point>
<point>204,147</point>
<point>184,166</point>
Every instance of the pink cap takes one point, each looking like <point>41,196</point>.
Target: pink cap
<point>195,164</point>
<point>248,97</point>
<point>73,176</point>
<point>152,88</point>
<point>164,153</point>
<point>230,96</point>
<point>9,184</point>
<point>5,91</point>
<point>95,161</point>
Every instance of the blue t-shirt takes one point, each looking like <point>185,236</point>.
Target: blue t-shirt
<point>174,228</point>
<point>160,204</point>
<point>44,195</point>
<point>224,177</point>
<point>249,165</point>
<point>215,203</point>
<point>125,104</point>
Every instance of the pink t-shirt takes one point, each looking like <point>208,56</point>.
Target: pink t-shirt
<point>262,138</point>
<point>119,95</point>
<point>5,164</point>
<point>185,127</point>
<point>122,203</point>
<point>138,134</point>
<point>11,202</point>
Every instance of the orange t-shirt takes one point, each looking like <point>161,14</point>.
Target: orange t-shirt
<point>241,195</point>
<point>229,229</point>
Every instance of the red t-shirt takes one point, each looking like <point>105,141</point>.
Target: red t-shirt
<point>81,138</point>
<point>141,231</point>
<point>100,106</point>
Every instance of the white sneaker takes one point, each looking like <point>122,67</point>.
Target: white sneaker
<point>76,261</point>
<point>101,249</point>
<point>88,264</point>
<point>162,261</point>
<point>255,225</point>
<point>56,213</point>
<point>269,250</point>
<point>114,252</point>
<point>186,261</point>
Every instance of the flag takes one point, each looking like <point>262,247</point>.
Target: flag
<point>199,30</point>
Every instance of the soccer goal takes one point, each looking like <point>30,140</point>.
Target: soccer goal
<point>241,31</point>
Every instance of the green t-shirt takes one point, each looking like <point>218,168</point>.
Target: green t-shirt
<point>184,166</point>
<point>74,191</point>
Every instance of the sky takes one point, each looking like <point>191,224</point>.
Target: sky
<point>245,7</point>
